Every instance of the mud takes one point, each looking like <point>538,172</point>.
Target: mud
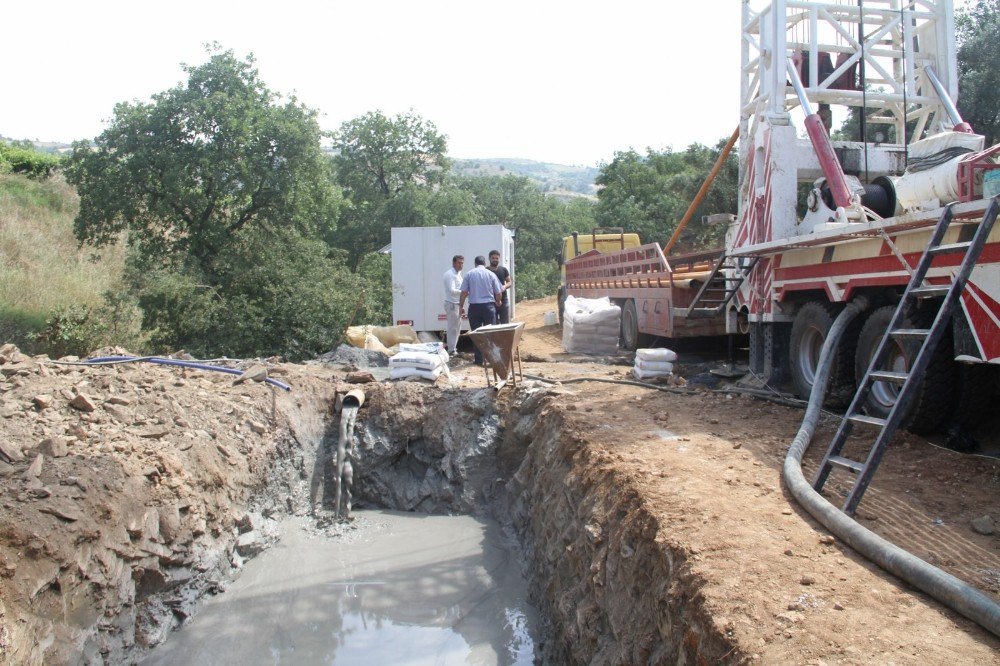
<point>394,588</point>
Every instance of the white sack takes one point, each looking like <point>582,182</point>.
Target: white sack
<point>656,355</point>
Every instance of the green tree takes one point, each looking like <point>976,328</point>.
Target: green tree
<point>186,173</point>
<point>379,160</point>
<point>977,30</point>
<point>650,193</point>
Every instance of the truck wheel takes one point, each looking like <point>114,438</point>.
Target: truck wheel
<point>975,385</point>
<point>630,326</point>
<point>809,330</point>
<point>933,400</point>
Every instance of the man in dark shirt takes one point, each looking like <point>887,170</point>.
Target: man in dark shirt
<point>503,312</point>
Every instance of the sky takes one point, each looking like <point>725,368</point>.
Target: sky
<point>562,81</point>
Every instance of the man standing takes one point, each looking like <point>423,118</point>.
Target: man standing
<point>503,311</point>
<point>484,292</point>
<point>452,301</point>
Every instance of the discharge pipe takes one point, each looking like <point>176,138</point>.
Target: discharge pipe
<point>952,592</point>
<point>828,161</point>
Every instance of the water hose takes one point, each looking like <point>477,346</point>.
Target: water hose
<point>952,592</point>
<point>109,360</point>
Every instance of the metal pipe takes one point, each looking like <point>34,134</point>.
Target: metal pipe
<point>703,191</point>
<point>828,161</point>
<point>949,106</point>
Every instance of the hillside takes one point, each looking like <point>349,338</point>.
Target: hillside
<point>42,268</point>
<point>553,179</point>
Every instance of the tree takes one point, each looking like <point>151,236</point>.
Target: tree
<point>650,193</point>
<point>378,160</point>
<point>977,30</point>
<point>190,171</point>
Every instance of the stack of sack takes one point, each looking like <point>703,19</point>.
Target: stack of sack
<point>425,360</point>
<point>650,363</point>
<point>591,326</point>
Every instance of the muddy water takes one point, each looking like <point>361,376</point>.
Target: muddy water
<point>394,588</point>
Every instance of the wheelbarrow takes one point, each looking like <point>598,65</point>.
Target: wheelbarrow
<point>498,345</point>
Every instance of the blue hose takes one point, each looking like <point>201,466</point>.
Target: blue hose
<point>183,364</point>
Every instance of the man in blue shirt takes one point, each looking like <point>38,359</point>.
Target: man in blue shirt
<point>484,293</point>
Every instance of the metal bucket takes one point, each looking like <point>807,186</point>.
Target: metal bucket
<point>498,344</point>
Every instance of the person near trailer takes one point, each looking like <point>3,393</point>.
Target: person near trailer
<point>485,293</point>
<point>453,302</point>
<point>503,310</point>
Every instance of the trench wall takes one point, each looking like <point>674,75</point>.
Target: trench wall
<point>608,587</point>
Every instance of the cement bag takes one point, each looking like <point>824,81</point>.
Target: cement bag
<point>416,359</point>
<point>654,366</point>
<point>649,374</point>
<point>404,372</point>
<point>426,347</point>
<point>387,336</point>
<point>656,355</point>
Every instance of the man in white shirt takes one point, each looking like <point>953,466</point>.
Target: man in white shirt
<point>452,298</point>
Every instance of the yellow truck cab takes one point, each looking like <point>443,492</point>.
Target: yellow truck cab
<point>602,239</point>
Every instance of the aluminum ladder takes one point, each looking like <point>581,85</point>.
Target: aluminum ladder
<point>909,380</point>
<point>718,290</point>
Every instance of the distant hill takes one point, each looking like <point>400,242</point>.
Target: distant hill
<point>554,179</point>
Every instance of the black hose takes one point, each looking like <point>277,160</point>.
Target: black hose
<point>944,587</point>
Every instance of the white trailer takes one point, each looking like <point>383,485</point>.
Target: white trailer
<point>421,255</point>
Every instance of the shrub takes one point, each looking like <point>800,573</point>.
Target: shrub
<point>79,329</point>
<point>27,161</point>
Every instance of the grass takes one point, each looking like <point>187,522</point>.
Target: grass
<point>42,268</point>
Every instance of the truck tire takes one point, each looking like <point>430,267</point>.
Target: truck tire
<point>629,340</point>
<point>809,330</point>
<point>933,401</point>
<point>974,395</point>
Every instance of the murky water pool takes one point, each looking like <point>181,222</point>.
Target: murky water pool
<point>395,588</point>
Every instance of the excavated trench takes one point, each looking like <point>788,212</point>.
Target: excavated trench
<point>482,534</point>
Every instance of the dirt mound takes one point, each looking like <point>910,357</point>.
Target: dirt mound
<point>125,493</point>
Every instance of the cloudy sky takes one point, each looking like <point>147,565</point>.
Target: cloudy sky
<point>551,80</point>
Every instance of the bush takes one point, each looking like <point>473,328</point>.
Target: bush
<point>267,294</point>
<point>78,329</point>
<point>27,161</point>
<point>536,281</point>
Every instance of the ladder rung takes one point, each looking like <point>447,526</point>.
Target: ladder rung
<point>870,420</point>
<point>911,333</point>
<point>886,376</point>
<point>950,248</point>
<point>846,463</point>
<point>933,290</point>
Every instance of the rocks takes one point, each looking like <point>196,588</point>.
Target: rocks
<point>255,373</point>
<point>827,540</point>
<point>119,400</point>
<point>257,426</point>
<point>35,468</point>
<point>155,432</point>
<point>249,544</point>
<point>42,401</point>
<point>983,525</point>
<point>807,580</point>
<point>10,451</point>
<point>360,377</point>
<point>55,447</point>
<point>83,402</point>
<point>68,513</point>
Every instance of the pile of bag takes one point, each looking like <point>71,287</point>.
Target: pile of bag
<point>650,363</point>
<point>425,360</point>
<point>591,326</point>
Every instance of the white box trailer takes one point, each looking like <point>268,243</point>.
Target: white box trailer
<point>421,255</point>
